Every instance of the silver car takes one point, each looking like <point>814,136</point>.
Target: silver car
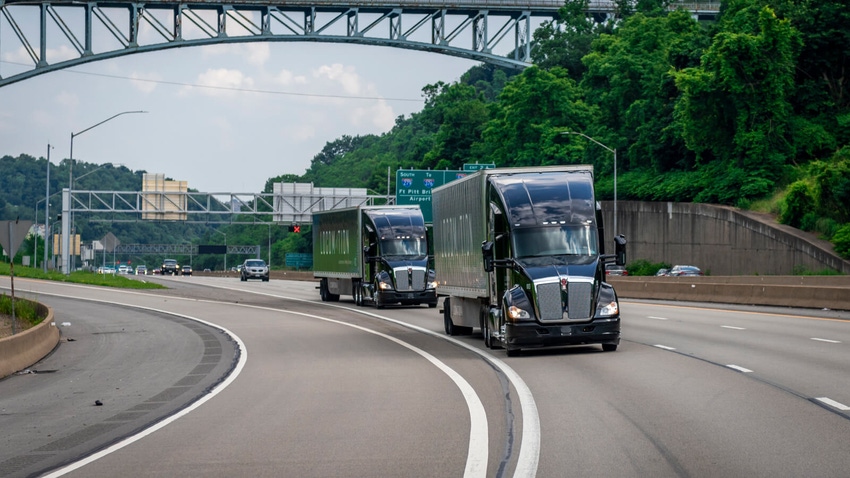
<point>254,269</point>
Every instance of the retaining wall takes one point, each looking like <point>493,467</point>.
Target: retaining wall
<point>719,240</point>
<point>26,348</point>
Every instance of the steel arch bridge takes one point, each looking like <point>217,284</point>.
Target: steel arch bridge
<point>49,35</point>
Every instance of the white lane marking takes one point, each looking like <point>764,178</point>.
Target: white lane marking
<point>731,327</point>
<point>529,456</point>
<point>664,347</point>
<point>739,368</point>
<point>657,318</point>
<point>243,358</point>
<point>476,458</point>
<point>529,453</point>
<point>827,340</point>
<point>833,403</point>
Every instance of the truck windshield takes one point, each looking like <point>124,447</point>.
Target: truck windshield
<point>404,246</point>
<point>555,241</point>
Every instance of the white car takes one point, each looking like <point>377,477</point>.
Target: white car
<point>141,270</point>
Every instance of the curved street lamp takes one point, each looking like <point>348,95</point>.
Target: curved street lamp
<point>66,227</point>
<point>613,150</point>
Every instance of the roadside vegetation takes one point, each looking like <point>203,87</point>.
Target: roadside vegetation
<point>750,110</point>
<point>80,277</point>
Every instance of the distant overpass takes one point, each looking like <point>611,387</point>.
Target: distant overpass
<point>50,35</point>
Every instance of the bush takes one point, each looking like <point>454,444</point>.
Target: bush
<point>841,240</point>
<point>643,267</point>
<point>797,204</point>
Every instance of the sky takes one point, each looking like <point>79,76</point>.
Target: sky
<point>224,118</point>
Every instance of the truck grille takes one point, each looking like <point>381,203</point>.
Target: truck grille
<point>412,280</point>
<point>551,306</point>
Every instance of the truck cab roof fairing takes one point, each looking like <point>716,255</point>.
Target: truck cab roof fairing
<point>400,232</point>
<point>563,198</point>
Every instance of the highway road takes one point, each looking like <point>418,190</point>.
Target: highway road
<point>262,379</point>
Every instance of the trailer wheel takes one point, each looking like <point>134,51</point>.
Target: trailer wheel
<point>447,318</point>
<point>323,290</point>
<point>485,331</point>
<point>358,294</point>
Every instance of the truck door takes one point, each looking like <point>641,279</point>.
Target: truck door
<point>500,237</point>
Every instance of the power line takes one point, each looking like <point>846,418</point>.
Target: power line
<point>228,88</point>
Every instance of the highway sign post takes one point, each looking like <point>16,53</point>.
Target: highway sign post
<point>413,186</point>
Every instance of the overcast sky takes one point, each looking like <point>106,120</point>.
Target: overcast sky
<point>282,103</point>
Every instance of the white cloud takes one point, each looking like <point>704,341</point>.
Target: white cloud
<point>287,78</point>
<point>345,76</point>
<point>219,81</point>
<point>145,83</point>
<point>257,53</point>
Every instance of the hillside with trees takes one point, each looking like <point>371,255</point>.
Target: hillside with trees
<point>751,110</point>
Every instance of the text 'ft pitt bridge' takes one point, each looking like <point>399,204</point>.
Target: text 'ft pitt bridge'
<point>40,36</point>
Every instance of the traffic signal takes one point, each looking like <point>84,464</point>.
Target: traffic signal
<point>294,228</point>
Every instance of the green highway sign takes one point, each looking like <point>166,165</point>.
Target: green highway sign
<point>413,186</point>
<point>475,167</point>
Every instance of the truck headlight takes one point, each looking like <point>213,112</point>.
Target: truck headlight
<point>384,285</point>
<point>608,310</point>
<point>431,285</point>
<point>515,313</point>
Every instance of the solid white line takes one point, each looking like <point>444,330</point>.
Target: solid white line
<point>833,403</point>
<point>529,457</point>
<point>529,454</point>
<point>657,318</point>
<point>243,358</point>
<point>731,327</point>
<point>827,340</point>
<point>664,347</point>
<point>739,368</point>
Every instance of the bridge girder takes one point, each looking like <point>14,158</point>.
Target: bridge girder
<point>491,31</point>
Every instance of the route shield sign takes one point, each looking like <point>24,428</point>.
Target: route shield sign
<point>413,186</point>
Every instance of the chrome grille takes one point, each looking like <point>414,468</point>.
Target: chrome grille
<point>579,299</point>
<point>549,301</point>
<point>409,281</point>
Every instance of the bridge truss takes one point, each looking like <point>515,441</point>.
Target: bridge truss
<point>56,34</point>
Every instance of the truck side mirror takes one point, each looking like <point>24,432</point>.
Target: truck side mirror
<point>620,249</point>
<point>487,252</point>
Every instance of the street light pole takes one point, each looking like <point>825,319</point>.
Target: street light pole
<point>66,239</point>
<point>613,150</point>
<point>47,208</point>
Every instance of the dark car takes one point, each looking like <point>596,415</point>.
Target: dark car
<point>254,269</point>
<point>684,271</point>
<point>615,270</point>
<point>169,267</point>
<point>186,270</point>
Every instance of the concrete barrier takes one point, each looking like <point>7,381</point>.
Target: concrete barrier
<point>812,292</point>
<point>22,350</point>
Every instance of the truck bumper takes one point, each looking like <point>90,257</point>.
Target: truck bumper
<point>534,335</point>
<point>408,298</point>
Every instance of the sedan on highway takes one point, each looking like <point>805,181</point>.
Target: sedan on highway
<point>685,271</point>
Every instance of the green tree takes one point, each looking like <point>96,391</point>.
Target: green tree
<point>526,123</point>
<point>735,108</point>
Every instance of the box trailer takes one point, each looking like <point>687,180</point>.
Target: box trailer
<point>376,254</point>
